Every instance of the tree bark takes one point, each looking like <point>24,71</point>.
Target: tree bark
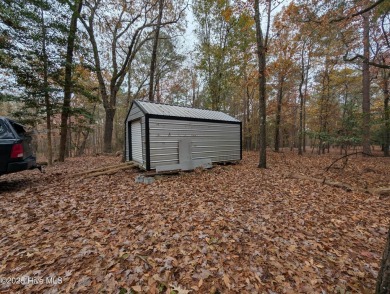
<point>129,94</point>
<point>324,104</point>
<point>278,113</point>
<point>261,58</point>
<point>366,85</point>
<point>386,95</point>
<point>68,78</point>
<point>154,52</point>
<point>304,104</point>
<point>383,280</point>
<point>108,129</point>
<point>46,91</point>
<point>193,87</point>
<point>248,133</point>
<point>301,100</point>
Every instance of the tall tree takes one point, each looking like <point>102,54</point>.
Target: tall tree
<point>32,54</point>
<point>381,51</point>
<point>386,110</point>
<point>366,84</point>
<point>301,98</point>
<point>262,44</point>
<point>123,28</point>
<point>76,8</point>
<point>45,59</point>
<point>214,33</point>
<point>154,51</point>
<point>167,69</point>
<point>282,54</point>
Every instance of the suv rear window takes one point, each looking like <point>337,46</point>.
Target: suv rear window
<point>4,131</point>
<point>17,127</point>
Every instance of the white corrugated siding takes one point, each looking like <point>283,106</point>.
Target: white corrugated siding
<point>136,141</point>
<point>218,142</point>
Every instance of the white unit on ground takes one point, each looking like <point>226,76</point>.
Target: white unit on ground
<point>160,136</point>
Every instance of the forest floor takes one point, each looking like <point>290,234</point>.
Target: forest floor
<point>230,229</point>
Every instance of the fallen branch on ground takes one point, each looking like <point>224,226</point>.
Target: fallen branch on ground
<point>109,171</point>
<point>346,156</point>
<point>382,192</point>
<point>321,181</point>
<point>101,169</point>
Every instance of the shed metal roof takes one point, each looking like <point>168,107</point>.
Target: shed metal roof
<point>180,111</point>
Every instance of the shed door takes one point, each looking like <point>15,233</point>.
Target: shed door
<point>136,141</point>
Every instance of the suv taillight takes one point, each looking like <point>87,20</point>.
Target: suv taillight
<point>17,151</point>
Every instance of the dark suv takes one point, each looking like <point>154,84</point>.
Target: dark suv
<point>16,152</point>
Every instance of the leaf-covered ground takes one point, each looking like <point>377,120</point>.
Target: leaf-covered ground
<point>231,229</point>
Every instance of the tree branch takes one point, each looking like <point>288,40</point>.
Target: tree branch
<point>317,21</point>
<point>384,31</point>
<point>359,56</point>
<point>372,6</point>
<point>345,156</point>
<point>133,41</point>
<point>268,24</point>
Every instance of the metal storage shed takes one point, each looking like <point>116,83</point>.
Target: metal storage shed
<point>164,136</point>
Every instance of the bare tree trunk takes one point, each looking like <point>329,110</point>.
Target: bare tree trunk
<point>193,87</point>
<point>262,43</point>
<point>86,134</point>
<point>128,101</point>
<point>278,113</point>
<point>157,91</point>
<point>293,129</point>
<point>69,139</point>
<point>301,99</point>
<point>68,78</point>
<point>46,92</point>
<point>366,85</point>
<point>386,95</point>
<point>383,280</point>
<point>324,104</point>
<point>304,104</point>
<point>248,132</point>
<point>154,52</point>
<point>108,130</point>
